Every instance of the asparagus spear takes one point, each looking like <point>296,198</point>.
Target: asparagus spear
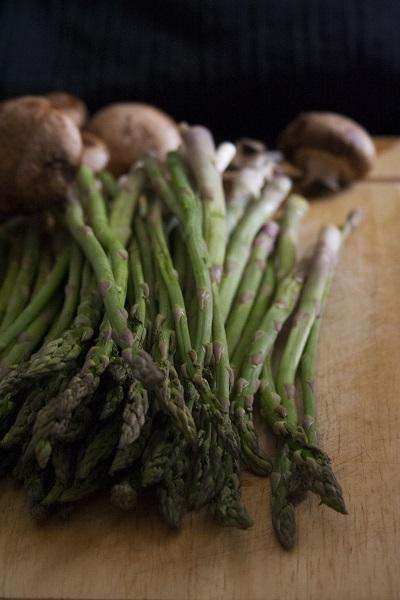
<point>44,268</point>
<point>226,507</point>
<point>282,508</point>
<point>240,243</point>
<point>179,257</point>
<point>324,259</point>
<point>141,293</point>
<point>244,187</point>
<point>115,395</point>
<point>200,152</point>
<point>142,238</point>
<point>172,492</point>
<point>124,494</point>
<point>133,420</point>
<point>249,285</point>
<point>27,269</point>
<point>109,184</point>
<point>68,310</point>
<point>312,463</point>
<point>296,208</point>
<point>13,265</point>
<point>309,357</point>
<point>259,308</point>
<point>222,474</point>
<point>224,155</point>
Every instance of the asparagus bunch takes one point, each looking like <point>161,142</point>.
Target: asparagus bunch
<point>139,356</point>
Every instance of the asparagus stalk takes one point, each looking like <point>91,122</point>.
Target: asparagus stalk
<point>325,256</point>
<point>104,231</point>
<point>282,509</point>
<point>309,357</point>
<point>109,184</point>
<point>125,204</point>
<point>244,186</point>
<point>13,265</point>
<point>200,152</point>
<point>250,284</point>
<point>44,268</point>
<point>179,257</point>
<point>23,281</point>
<point>142,237</point>
<point>141,293</point>
<point>296,208</point>
<point>259,308</point>
<point>239,245</point>
<point>72,288</point>
<point>202,159</point>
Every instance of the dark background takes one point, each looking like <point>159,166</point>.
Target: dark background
<point>243,67</point>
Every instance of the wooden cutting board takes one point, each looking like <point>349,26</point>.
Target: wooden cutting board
<point>103,554</point>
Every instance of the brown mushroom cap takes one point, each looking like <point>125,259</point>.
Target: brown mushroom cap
<point>328,145</point>
<point>95,153</point>
<point>131,130</point>
<point>73,106</point>
<point>40,149</point>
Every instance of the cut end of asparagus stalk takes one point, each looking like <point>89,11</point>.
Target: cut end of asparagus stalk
<point>352,222</point>
<point>224,155</point>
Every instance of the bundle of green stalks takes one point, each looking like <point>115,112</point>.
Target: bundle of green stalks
<point>138,335</point>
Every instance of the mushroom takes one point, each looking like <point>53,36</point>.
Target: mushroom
<point>330,150</point>
<point>95,153</point>
<point>73,106</point>
<point>40,151</point>
<point>131,130</point>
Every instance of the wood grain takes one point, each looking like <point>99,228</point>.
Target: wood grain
<point>104,554</point>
